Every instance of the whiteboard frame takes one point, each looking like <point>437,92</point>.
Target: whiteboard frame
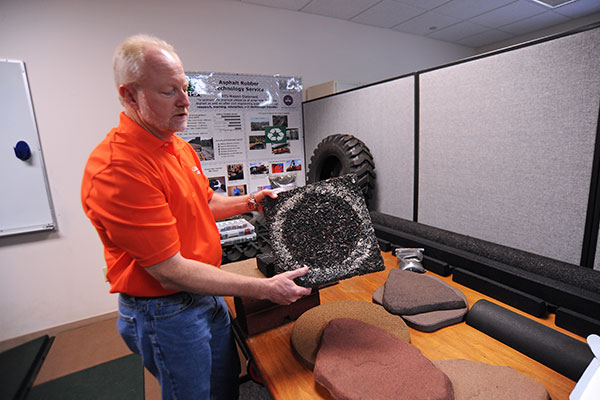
<point>49,220</point>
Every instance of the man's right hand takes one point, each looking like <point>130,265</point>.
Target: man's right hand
<point>283,290</point>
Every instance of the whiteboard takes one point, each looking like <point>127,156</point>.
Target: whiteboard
<point>25,202</point>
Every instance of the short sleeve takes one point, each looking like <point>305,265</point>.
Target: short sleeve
<point>129,207</point>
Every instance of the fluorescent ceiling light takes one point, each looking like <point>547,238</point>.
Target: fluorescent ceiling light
<point>554,3</point>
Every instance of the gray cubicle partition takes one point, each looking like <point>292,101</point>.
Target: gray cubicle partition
<point>382,116</point>
<point>597,253</point>
<point>507,145</point>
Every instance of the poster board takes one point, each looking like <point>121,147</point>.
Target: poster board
<point>25,204</point>
<point>247,130</point>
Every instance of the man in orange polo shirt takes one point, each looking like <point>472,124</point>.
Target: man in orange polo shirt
<point>145,193</point>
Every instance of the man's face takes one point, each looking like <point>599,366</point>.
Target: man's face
<point>161,95</point>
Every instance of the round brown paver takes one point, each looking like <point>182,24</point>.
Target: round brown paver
<point>308,328</point>
<point>473,380</point>
<point>359,361</point>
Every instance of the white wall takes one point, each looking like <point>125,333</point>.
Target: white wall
<point>50,279</point>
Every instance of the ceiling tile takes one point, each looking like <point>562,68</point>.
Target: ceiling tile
<point>510,13</point>
<point>579,8</point>
<point>343,9</point>
<point>458,31</point>
<point>534,23</point>
<point>386,14</point>
<point>426,23</point>
<point>472,23</point>
<point>465,9</point>
<point>287,4</point>
<point>483,39</point>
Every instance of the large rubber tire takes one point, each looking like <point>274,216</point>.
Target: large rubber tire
<point>342,154</point>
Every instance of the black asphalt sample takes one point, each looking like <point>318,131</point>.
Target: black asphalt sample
<point>325,226</point>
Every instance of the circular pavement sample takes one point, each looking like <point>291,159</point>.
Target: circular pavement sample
<point>307,330</point>
<point>325,226</point>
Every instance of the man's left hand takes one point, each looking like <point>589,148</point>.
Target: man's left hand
<point>259,197</point>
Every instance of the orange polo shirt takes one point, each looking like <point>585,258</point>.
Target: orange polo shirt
<point>148,199</point>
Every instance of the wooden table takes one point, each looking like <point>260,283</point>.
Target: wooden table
<point>287,378</point>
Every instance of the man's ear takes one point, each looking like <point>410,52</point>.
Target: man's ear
<point>128,95</point>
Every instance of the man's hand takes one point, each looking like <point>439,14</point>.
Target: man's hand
<point>283,290</point>
<point>259,197</point>
<point>178,273</point>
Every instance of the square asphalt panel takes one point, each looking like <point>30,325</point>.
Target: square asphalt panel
<point>325,226</point>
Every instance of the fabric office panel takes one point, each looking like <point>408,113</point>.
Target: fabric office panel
<point>382,116</point>
<point>506,145</point>
<point>597,256</point>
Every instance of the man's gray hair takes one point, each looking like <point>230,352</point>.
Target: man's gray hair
<point>128,59</point>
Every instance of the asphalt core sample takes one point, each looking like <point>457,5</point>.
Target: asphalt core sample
<point>325,226</point>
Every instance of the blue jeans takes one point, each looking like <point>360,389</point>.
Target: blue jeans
<point>185,341</point>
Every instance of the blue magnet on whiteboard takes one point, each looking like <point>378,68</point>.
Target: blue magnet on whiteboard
<point>22,151</point>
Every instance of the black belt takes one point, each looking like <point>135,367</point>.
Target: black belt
<point>168,296</point>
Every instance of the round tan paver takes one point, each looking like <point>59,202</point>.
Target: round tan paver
<point>473,380</point>
<point>308,328</point>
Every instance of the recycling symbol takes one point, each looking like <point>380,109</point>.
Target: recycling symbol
<point>275,134</point>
